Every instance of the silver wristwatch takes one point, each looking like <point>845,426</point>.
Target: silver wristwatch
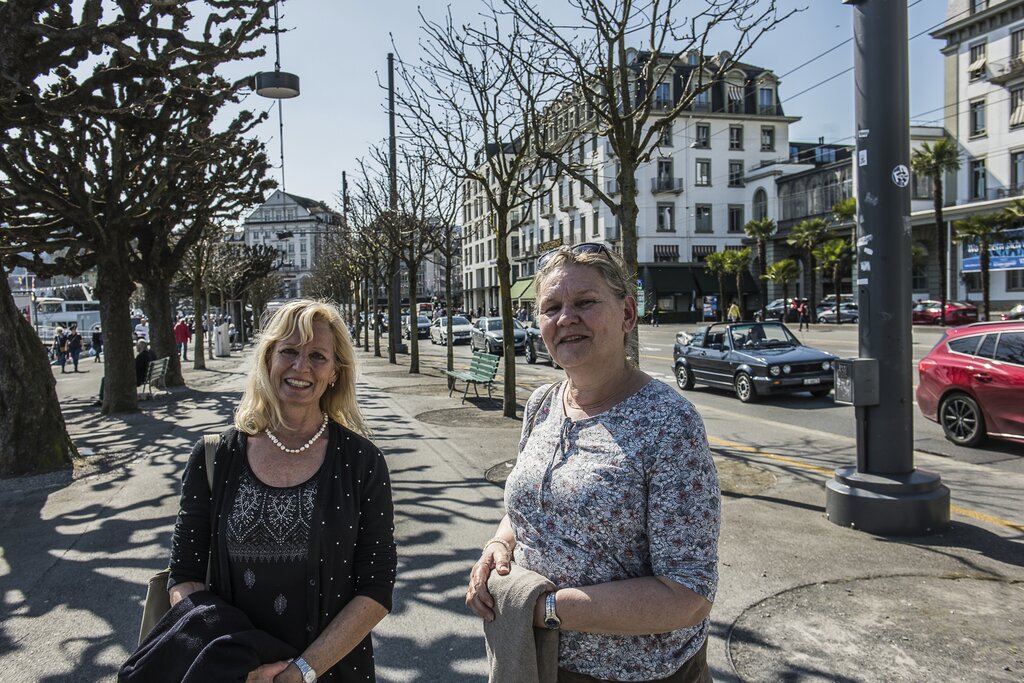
<point>308,675</point>
<point>551,619</point>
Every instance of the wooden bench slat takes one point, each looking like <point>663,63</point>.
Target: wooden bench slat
<point>482,370</point>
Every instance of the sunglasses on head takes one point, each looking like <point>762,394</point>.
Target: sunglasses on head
<point>581,248</point>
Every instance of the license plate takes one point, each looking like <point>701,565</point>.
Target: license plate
<point>812,380</point>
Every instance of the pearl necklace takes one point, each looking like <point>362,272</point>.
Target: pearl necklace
<point>276,442</point>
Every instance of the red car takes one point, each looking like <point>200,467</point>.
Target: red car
<point>957,313</point>
<point>972,382</point>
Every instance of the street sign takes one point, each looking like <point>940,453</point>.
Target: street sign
<point>641,302</point>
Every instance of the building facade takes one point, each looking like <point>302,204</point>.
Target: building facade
<point>297,227</point>
<point>697,189</point>
<point>984,97</point>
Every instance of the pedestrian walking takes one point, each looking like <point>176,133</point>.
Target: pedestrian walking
<point>655,316</point>
<point>587,454</point>
<point>733,314</point>
<point>182,334</point>
<point>805,316</point>
<point>60,348</point>
<point>97,344</point>
<point>298,527</point>
<point>74,344</point>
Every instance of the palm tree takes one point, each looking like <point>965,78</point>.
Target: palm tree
<point>934,161</point>
<point>832,257</point>
<point>982,230</point>
<point>782,273</point>
<point>760,231</point>
<point>737,261</point>
<point>806,236</point>
<point>715,264</point>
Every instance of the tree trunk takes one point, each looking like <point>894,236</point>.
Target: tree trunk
<point>161,327</point>
<point>376,330</point>
<point>449,312</point>
<point>33,437</point>
<point>836,275</point>
<point>762,256</point>
<point>812,264</point>
<point>627,233</point>
<point>984,278</point>
<point>940,245</point>
<point>198,309</point>
<point>412,267</point>
<point>721,298</point>
<point>114,289</point>
<point>507,326</point>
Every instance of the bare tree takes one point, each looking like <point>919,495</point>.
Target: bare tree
<point>469,101</point>
<point>626,70</point>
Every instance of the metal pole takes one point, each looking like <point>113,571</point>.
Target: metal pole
<point>395,319</point>
<point>884,494</point>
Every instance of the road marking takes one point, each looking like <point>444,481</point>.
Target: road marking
<point>953,508</point>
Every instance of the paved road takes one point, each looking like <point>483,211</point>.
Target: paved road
<point>799,413</point>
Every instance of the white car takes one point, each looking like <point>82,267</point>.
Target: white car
<point>460,330</point>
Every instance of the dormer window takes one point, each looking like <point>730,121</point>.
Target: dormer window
<point>766,100</point>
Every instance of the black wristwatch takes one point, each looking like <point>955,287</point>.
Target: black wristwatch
<point>551,619</point>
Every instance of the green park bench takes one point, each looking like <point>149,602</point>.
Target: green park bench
<point>155,377</point>
<point>482,370</point>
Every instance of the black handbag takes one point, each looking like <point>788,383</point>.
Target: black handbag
<point>158,601</point>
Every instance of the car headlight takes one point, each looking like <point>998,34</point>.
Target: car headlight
<point>826,365</point>
<point>775,370</point>
<point>786,369</point>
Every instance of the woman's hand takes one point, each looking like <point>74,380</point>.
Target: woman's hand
<point>268,673</point>
<point>183,590</point>
<point>478,598</point>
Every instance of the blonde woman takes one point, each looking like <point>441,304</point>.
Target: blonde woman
<point>302,533</point>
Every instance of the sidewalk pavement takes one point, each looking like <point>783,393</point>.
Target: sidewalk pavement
<point>799,598</point>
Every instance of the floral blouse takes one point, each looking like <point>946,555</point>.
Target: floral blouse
<point>627,493</point>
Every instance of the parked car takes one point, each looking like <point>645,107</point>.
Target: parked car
<point>778,309</point>
<point>752,359</point>
<point>486,336</point>
<point>972,382</point>
<point>830,300</point>
<point>536,349</point>
<point>461,329</point>
<point>1015,313</point>
<point>422,327</point>
<point>957,312</point>
<point>848,313</point>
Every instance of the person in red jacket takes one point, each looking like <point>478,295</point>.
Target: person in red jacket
<point>181,337</point>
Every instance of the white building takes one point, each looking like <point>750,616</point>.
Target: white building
<point>984,98</point>
<point>295,226</point>
<point>700,186</point>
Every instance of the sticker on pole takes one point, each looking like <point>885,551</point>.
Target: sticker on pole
<point>901,175</point>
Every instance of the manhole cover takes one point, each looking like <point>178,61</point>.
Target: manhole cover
<point>901,628</point>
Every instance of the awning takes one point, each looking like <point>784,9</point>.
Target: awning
<point>977,65</point>
<point>666,251</point>
<point>1017,117</point>
<point>524,289</point>
<point>735,93</point>
<point>705,282</point>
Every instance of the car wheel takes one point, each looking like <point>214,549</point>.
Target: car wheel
<point>821,319</point>
<point>821,393</point>
<point>531,354</point>
<point>472,345</point>
<point>744,387</point>
<point>962,421</point>
<point>684,377</point>
<point>854,319</point>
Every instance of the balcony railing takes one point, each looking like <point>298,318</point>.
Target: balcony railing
<point>674,185</point>
<point>769,110</point>
<point>1005,70</point>
<point>661,104</point>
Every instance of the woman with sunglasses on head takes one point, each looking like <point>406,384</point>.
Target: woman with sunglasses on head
<point>614,496</point>
<point>298,527</point>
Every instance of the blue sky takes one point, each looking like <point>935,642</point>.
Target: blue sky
<point>339,49</point>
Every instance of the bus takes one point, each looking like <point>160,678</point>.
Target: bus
<point>55,307</point>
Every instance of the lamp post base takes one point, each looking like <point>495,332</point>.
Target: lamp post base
<point>889,505</point>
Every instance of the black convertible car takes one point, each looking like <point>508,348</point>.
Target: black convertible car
<point>752,359</point>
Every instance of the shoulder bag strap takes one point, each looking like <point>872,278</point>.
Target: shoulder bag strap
<point>211,442</point>
<point>543,397</point>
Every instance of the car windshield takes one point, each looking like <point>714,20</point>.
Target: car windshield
<point>457,320</point>
<point>422,320</point>
<point>493,324</point>
<point>761,336</point>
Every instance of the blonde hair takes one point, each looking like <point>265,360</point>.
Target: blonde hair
<point>260,407</point>
<point>613,270</point>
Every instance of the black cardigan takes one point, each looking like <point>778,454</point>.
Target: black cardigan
<point>353,553</point>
